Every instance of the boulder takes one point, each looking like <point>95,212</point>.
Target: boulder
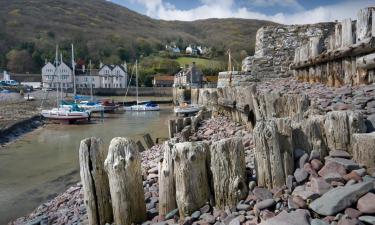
<point>346,163</point>
<point>340,198</point>
<point>332,167</point>
<point>366,204</point>
<point>298,217</point>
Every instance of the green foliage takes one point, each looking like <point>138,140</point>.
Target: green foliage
<point>103,31</point>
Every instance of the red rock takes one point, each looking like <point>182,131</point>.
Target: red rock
<point>347,221</point>
<point>328,219</point>
<point>332,167</point>
<point>352,213</point>
<point>299,202</point>
<point>366,204</point>
<point>318,185</point>
<point>316,164</point>
<point>308,168</point>
<point>266,214</point>
<point>352,176</point>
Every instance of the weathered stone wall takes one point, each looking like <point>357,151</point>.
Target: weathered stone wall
<point>275,47</point>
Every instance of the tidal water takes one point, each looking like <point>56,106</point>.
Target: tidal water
<point>43,163</point>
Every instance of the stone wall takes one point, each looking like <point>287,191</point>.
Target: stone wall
<point>275,46</point>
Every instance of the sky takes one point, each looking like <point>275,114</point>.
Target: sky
<point>280,11</point>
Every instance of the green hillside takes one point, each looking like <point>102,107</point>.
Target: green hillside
<point>103,31</point>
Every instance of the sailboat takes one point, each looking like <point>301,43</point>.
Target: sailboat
<point>62,113</point>
<point>144,106</point>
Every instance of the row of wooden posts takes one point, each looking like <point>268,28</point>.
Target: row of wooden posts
<point>190,175</point>
<point>345,57</point>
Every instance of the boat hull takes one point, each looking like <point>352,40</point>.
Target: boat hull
<point>142,108</point>
<point>65,115</point>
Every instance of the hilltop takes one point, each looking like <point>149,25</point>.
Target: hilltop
<point>102,30</point>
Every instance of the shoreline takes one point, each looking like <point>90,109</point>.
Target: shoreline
<point>15,131</point>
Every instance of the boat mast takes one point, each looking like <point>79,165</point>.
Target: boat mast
<point>136,79</point>
<point>92,99</point>
<point>230,67</point>
<point>57,74</point>
<point>74,74</point>
<point>61,86</point>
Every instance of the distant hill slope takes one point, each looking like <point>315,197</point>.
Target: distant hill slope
<point>105,31</point>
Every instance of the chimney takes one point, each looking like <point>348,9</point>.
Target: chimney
<point>101,65</point>
<point>83,68</point>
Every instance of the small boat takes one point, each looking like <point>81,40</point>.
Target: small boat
<point>109,106</point>
<point>65,114</point>
<point>146,106</point>
<point>91,106</point>
<point>29,98</point>
<point>186,109</point>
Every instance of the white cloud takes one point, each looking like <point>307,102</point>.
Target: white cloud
<point>226,9</point>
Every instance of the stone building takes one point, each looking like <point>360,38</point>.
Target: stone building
<point>189,76</point>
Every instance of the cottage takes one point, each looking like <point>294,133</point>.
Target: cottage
<point>113,76</point>
<point>189,76</point>
<point>56,77</point>
<point>163,81</point>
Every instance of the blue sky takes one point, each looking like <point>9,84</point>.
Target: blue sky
<point>281,11</point>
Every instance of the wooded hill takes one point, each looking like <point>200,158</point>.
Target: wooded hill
<point>101,30</point>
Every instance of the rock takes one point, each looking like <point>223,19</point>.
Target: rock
<point>303,160</point>
<point>235,221</point>
<point>195,215</point>
<point>243,207</point>
<point>299,202</point>
<point>361,172</point>
<point>340,198</point>
<point>300,175</point>
<point>208,218</point>
<point>316,164</point>
<point>298,217</point>
<point>347,163</point>
<point>265,204</point>
<point>308,168</point>
<point>289,182</point>
<point>318,185</point>
<point>332,167</point>
<point>171,214</point>
<point>318,222</point>
<point>367,219</point>
<point>314,154</point>
<point>262,193</point>
<point>352,213</point>
<point>333,177</point>
<point>205,209</point>
<point>347,221</point>
<point>252,185</point>
<point>366,204</point>
<point>339,154</point>
<point>352,176</point>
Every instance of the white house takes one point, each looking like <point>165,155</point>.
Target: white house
<point>60,77</point>
<point>113,76</point>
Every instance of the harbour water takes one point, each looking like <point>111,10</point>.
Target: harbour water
<point>44,163</point>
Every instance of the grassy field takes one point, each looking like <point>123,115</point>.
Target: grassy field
<point>200,62</point>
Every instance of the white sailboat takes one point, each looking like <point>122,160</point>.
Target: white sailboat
<point>144,106</point>
<point>63,113</point>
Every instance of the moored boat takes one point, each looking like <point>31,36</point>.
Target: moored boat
<point>147,106</point>
<point>186,109</point>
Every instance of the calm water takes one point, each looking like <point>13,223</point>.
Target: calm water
<point>44,163</point>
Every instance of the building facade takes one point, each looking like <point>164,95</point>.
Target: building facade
<point>189,76</point>
<point>108,76</point>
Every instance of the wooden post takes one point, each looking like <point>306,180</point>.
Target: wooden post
<point>364,149</point>
<point>123,166</point>
<point>167,188</point>
<point>187,121</point>
<point>228,171</point>
<point>191,177</point>
<point>338,35</point>
<point>348,36</point>
<point>140,146</point>
<point>148,140</point>
<point>95,181</point>
<point>185,133</point>
<point>363,23</point>
<point>271,167</point>
<point>339,127</point>
<point>180,124</point>
<point>366,62</point>
<point>172,128</point>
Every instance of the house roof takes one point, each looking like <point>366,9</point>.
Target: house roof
<point>164,78</point>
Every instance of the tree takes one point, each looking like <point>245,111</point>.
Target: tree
<point>19,61</point>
